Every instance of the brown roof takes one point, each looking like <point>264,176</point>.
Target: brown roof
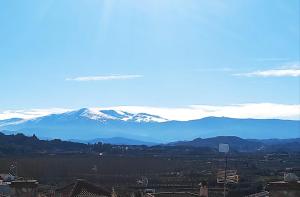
<point>173,194</point>
<point>83,188</point>
<point>282,185</point>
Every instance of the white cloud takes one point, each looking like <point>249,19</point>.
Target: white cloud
<point>272,73</point>
<point>248,110</point>
<point>104,78</point>
<point>31,113</point>
<point>292,70</point>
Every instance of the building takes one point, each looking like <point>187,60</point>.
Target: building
<point>23,188</point>
<point>7,177</point>
<point>4,188</point>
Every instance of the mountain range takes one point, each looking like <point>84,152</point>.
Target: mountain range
<point>20,144</point>
<point>89,124</point>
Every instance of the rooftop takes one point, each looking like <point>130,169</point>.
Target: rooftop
<point>283,185</point>
<point>82,188</point>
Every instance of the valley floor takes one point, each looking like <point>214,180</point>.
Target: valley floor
<point>163,172</point>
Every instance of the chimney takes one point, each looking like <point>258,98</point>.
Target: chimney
<point>203,189</point>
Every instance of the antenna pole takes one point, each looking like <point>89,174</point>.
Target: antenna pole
<point>225,175</point>
<point>16,170</point>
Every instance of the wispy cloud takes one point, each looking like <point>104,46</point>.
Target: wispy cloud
<point>30,113</point>
<point>247,110</point>
<point>272,73</point>
<point>284,71</point>
<point>104,77</point>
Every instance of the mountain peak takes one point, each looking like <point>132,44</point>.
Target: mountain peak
<point>92,122</point>
<point>118,115</point>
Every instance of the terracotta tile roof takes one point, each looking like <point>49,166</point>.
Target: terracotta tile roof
<point>282,185</point>
<point>173,194</point>
<point>83,188</point>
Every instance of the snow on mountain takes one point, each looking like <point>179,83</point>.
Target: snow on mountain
<point>104,115</point>
<point>90,123</point>
<point>97,115</point>
<point>101,115</point>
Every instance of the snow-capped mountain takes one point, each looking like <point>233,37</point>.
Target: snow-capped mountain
<point>100,116</point>
<point>87,124</point>
<point>104,115</point>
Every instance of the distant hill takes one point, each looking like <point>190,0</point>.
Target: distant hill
<point>277,141</point>
<point>235,143</point>
<point>116,141</point>
<point>243,145</point>
<point>21,144</point>
<point>86,124</point>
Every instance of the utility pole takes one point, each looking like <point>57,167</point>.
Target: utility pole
<point>225,175</point>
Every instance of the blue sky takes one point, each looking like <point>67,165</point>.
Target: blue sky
<point>76,53</point>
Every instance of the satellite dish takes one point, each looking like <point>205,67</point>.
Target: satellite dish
<point>143,181</point>
<point>223,148</point>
